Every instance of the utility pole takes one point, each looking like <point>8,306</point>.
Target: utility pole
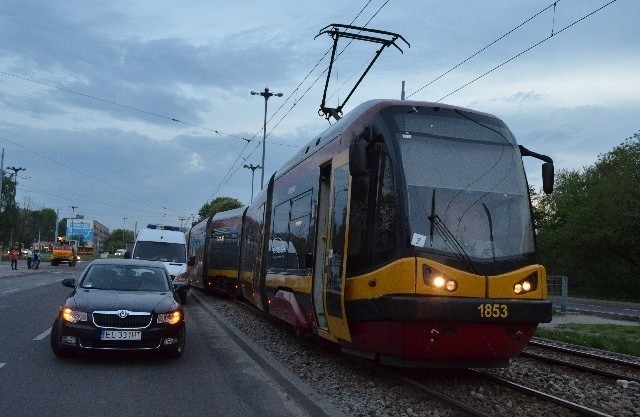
<point>124,225</point>
<point>15,190</point>
<point>1,176</point>
<point>73,216</point>
<point>253,170</point>
<point>266,94</point>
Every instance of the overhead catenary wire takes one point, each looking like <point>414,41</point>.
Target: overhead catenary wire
<point>28,149</point>
<point>233,169</point>
<point>485,48</point>
<point>527,50</point>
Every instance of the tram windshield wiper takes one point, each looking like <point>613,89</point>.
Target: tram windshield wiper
<point>493,244</point>
<point>450,240</point>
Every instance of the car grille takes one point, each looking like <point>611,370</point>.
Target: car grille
<point>119,345</point>
<point>111,319</point>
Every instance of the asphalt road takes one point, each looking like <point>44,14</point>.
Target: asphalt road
<point>214,377</point>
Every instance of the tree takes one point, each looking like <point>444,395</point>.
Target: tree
<point>115,240</point>
<point>589,225</point>
<point>217,205</point>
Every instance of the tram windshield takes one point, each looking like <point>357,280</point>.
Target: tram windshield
<point>467,192</point>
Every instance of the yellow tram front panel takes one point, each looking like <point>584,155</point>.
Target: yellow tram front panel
<point>529,283</point>
<point>398,277</point>
<point>436,279</point>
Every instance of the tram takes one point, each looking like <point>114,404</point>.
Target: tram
<point>403,233</point>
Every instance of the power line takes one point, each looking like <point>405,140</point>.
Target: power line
<point>233,169</point>
<point>114,103</point>
<point>82,173</point>
<point>527,50</point>
<point>486,47</point>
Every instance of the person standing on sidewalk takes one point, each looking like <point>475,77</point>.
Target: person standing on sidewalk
<point>29,258</point>
<point>14,259</point>
<point>36,259</point>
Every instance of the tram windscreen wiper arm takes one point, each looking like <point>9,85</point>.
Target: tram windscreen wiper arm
<point>433,212</point>
<point>451,240</point>
<point>493,245</point>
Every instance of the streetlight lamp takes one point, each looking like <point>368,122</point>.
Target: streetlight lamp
<point>15,179</point>
<point>266,94</point>
<point>253,170</point>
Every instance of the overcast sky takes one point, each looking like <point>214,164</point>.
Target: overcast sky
<point>142,109</point>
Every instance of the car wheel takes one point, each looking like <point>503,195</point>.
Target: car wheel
<point>57,347</point>
<point>174,352</point>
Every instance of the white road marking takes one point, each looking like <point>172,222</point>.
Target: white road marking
<point>43,334</point>
<point>2,364</point>
<point>8,291</point>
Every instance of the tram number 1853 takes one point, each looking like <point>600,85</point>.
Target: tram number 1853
<point>493,311</point>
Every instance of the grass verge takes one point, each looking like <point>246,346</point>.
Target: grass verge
<point>612,338</point>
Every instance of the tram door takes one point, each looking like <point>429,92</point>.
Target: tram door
<point>329,271</point>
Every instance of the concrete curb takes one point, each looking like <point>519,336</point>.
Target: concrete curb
<point>301,392</point>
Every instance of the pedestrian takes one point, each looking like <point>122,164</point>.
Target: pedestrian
<point>29,258</point>
<point>14,259</point>
<point>36,259</point>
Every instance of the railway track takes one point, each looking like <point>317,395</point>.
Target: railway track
<point>529,387</point>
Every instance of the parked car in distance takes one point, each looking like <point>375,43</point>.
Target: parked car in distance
<point>120,252</point>
<point>120,305</point>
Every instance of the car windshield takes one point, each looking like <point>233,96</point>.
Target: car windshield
<point>160,251</point>
<point>125,278</point>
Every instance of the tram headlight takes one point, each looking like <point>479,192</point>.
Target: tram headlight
<point>437,280</point>
<point>526,285</point>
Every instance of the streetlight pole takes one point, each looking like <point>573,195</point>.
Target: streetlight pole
<point>15,190</point>
<point>124,225</point>
<point>253,170</point>
<point>73,216</point>
<point>266,94</point>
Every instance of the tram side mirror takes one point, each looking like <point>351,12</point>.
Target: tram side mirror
<point>358,158</point>
<point>192,261</point>
<point>547,177</point>
<point>127,255</point>
<point>308,260</point>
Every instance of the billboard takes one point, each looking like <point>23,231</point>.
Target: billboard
<point>82,230</point>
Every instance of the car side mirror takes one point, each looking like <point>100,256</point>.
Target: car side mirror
<point>547,177</point>
<point>180,286</point>
<point>358,158</point>
<point>69,282</point>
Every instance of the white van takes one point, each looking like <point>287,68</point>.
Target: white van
<point>168,245</point>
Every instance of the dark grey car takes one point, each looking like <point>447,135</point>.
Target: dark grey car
<point>120,305</point>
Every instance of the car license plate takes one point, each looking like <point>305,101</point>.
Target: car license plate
<point>121,335</point>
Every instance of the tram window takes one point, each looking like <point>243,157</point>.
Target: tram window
<point>358,261</point>
<point>279,242</point>
<point>384,232</point>
<point>299,228</point>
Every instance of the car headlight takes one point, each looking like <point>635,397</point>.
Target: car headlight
<point>73,316</point>
<point>172,317</point>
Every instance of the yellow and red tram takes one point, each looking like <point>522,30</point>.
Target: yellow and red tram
<point>404,233</point>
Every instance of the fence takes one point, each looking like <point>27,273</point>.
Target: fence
<point>559,289</point>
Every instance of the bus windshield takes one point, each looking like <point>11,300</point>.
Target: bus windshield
<point>467,193</point>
